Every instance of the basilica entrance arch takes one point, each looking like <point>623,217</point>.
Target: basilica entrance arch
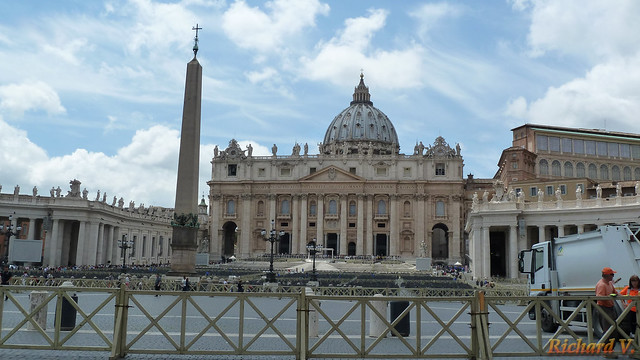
<point>229,238</point>
<point>351,249</point>
<point>284,247</point>
<point>440,241</point>
<point>380,245</point>
<point>332,242</point>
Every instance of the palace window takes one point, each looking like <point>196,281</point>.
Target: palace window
<point>232,169</point>
<point>382,207</point>
<point>439,208</point>
<point>285,207</point>
<point>440,169</point>
<point>352,208</point>
<point>333,207</point>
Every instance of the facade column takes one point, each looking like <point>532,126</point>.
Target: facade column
<point>560,230</point>
<point>418,217</point>
<point>369,238</point>
<point>455,241</point>
<point>486,251</point>
<point>394,234</point>
<point>54,243</point>
<point>295,230</point>
<point>215,242</point>
<point>245,229</point>
<point>320,220</point>
<point>344,214</point>
<point>91,248</point>
<point>476,249</point>
<point>428,216</point>
<point>513,251</point>
<point>101,249</point>
<point>360,226</point>
<point>303,224</point>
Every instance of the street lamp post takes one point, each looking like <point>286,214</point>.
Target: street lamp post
<point>125,244</point>
<point>313,248</point>
<point>272,237</point>
<point>9,232</point>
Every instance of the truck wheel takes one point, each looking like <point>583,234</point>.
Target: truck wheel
<point>546,322</point>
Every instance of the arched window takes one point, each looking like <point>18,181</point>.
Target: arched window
<point>382,207</point>
<point>627,173</point>
<point>568,169</point>
<point>352,208</point>
<point>604,172</point>
<point>593,171</point>
<point>285,208</point>
<point>231,207</point>
<point>580,170</point>
<point>555,168</point>
<point>406,208</point>
<point>313,208</point>
<point>333,207</point>
<point>544,167</point>
<point>615,173</point>
<point>260,208</point>
<point>439,208</point>
<point>440,242</point>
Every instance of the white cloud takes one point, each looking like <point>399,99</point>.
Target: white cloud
<point>260,76</point>
<point>589,29</point>
<point>609,92</point>
<point>252,28</point>
<point>30,96</point>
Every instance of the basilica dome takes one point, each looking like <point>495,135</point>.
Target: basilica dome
<point>361,128</point>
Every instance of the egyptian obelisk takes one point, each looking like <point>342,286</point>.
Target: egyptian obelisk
<point>185,218</point>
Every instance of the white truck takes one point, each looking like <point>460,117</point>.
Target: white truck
<point>572,265</point>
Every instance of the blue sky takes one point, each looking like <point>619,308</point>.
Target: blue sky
<point>93,90</point>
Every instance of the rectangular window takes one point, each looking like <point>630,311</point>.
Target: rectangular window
<point>352,225</point>
<point>312,170</point>
<point>625,151</point>
<point>232,169</point>
<point>550,190</point>
<point>381,225</point>
<point>262,172</point>
<point>590,147</point>
<point>352,170</point>
<point>406,172</point>
<point>514,165</point>
<point>440,169</point>
<point>381,171</point>
<point>160,242</point>
<point>542,143</point>
<point>285,172</point>
<point>601,147</point>
<point>613,149</point>
<point>153,246</point>
<point>554,143</point>
<point>578,146</point>
<point>563,189</point>
<point>312,224</point>
<point>132,251</point>
<point>533,191</point>
<point>566,145</point>
<point>635,151</point>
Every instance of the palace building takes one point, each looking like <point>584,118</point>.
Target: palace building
<point>358,196</point>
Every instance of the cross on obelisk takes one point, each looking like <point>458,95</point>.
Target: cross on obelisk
<point>195,40</point>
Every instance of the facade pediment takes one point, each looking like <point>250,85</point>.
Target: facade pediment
<point>332,173</point>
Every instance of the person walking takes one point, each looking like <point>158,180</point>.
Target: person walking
<point>158,283</point>
<point>240,287</point>
<point>630,321</point>
<point>605,287</point>
<point>185,283</point>
<point>5,277</point>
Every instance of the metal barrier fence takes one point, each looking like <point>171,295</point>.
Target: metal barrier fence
<point>301,324</point>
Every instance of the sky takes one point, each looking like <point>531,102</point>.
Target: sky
<point>93,90</point>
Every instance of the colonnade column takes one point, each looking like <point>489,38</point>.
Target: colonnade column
<point>32,229</point>
<point>513,251</point>
<point>580,229</point>
<point>455,253</point>
<point>476,249</point>
<point>394,235</point>
<point>320,220</point>
<point>82,243</point>
<point>541,234</point>
<point>54,243</point>
<point>360,226</point>
<point>245,226</point>
<point>110,243</point>
<point>303,224</point>
<point>486,251</point>
<point>560,230</point>
<point>295,232</point>
<point>344,213</point>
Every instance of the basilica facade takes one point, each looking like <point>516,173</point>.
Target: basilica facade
<point>359,196</point>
